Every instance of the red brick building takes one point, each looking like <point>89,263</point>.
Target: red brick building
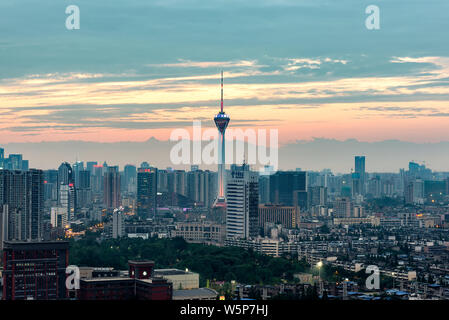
<point>35,270</point>
<point>140,285</point>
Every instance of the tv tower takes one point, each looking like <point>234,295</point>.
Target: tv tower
<point>221,121</point>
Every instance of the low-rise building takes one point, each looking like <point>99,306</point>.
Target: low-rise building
<point>200,231</point>
<point>179,278</point>
<point>195,294</point>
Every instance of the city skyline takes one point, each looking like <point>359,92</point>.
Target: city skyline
<point>122,176</point>
<point>313,155</point>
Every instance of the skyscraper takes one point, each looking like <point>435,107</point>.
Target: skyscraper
<point>65,177</point>
<point>97,179</point>
<point>221,121</point>
<point>90,166</point>
<point>360,164</point>
<point>146,192</point>
<point>289,188</point>
<point>67,199</point>
<point>118,223</point>
<point>264,189</point>
<point>83,189</point>
<point>200,188</point>
<point>130,174</point>
<point>16,161</point>
<point>111,191</point>
<point>51,185</point>
<point>65,174</point>
<point>76,168</point>
<point>317,196</point>
<point>360,171</point>
<point>22,201</point>
<point>242,196</point>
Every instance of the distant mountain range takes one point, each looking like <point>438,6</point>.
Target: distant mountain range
<point>316,154</point>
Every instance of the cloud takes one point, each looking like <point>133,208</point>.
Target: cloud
<point>207,64</point>
<point>67,102</point>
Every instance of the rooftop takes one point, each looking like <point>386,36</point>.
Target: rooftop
<point>108,279</point>
<point>170,272</point>
<point>141,262</point>
<point>200,293</point>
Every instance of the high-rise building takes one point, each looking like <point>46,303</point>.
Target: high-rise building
<point>25,165</point>
<point>357,184</point>
<point>414,192</point>
<point>242,196</point>
<point>359,165</point>
<point>180,182</point>
<point>145,165</point>
<point>359,169</point>
<point>83,190</point>
<point>317,196</point>
<point>264,189</point>
<point>118,223</point>
<point>90,166</point>
<point>65,174</point>
<point>111,191</point>
<point>83,179</point>
<point>35,270</point>
<point>343,208</point>
<point>146,193</point>
<point>162,180</point>
<point>288,217</point>
<point>76,168</point>
<point>97,182</point>
<point>375,187</point>
<point>16,161</point>
<point>67,199</point>
<point>221,121</point>
<point>12,162</point>
<point>59,217</point>
<point>130,175</point>
<point>289,188</point>
<point>22,201</point>
<point>51,185</point>
<point>200,187</point>
<point>65,177</point>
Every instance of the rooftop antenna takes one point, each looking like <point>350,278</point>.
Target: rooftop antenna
<point>221,90</point>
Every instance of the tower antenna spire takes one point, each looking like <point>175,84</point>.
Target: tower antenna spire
<point>221,91</point>
<point>221,121</point>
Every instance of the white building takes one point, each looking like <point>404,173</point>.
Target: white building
<point>179,278</point>
<point>242,199</point>
<point>118,223</point>
<point>59,217</point>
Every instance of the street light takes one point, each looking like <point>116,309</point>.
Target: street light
<point>319,265</point>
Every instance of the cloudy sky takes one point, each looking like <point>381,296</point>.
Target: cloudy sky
<point>138,69</point>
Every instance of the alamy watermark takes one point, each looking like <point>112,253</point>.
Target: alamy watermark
<point>72,22</point>
<point>72,282</point>
<point>255,147</point>
<point>373,280</point>
<point>372,22</point>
